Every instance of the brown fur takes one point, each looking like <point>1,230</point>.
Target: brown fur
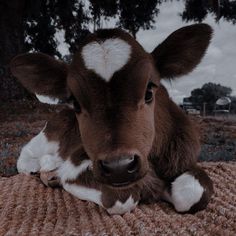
<point>114,118</point>
<point>180,60</point>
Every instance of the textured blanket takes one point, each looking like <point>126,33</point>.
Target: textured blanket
<point>27,207</point>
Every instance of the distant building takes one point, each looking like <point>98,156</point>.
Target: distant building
<point>190,108</point>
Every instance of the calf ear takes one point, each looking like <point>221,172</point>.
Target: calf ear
<point>182,50</point>
<point>41,75</point>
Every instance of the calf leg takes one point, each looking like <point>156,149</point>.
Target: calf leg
<point>41,155</point>
<point>48,170</point>
<point>28,160</point>
<point>116,202</point>
<point>38,154</point>
<point>190,191</point>
<point>78,179</point>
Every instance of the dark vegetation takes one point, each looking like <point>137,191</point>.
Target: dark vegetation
<point>31,25</point>
<point>209,93</point>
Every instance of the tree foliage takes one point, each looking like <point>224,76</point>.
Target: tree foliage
<point>43,19</point>
<point>52,16</point>
<point>105,8</point>
<point>209,93</point>
<point>197,10</point>
<point>136,14</point>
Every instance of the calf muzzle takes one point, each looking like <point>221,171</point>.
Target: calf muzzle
<point>120,171</point>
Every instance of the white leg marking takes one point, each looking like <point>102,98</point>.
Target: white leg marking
<point>29,160</point>
<point>68,171</point>
<point>50,162</point>
<point>84,193</point>
<point>47,99</point>
<point>107,57</point>
<point>186,191</point>
<point>121,208</point>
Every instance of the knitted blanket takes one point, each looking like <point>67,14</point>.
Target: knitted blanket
<point>27,207</point>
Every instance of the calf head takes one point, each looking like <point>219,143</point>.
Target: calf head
<point>113,85</point>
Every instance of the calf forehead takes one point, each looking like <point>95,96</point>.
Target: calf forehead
<point>106,57</point>
<point>107,52</point>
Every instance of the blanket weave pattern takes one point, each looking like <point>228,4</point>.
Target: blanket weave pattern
<point>27,207</point>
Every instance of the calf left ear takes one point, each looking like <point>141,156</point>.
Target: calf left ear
<point>42,75</point>
<point>182,50</point>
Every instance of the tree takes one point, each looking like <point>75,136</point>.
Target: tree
<point>209,93</point>
<point>71,17</point>
<point>137,14</point>
<point>197,10</point>
<point>105,8</point>
<point>30,25</point>
<point>12,13</point>
<point>40,29</point>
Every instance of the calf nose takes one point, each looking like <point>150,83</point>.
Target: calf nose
<point>120,171</point>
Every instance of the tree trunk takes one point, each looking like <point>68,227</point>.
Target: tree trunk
<point>11,44</point>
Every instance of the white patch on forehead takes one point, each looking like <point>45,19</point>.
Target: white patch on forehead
<point>121,208</point>
<point>107,57</point>
<point>68,171</point>
<point>47,99</point>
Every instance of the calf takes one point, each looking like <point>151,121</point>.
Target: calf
<point>123,140</point>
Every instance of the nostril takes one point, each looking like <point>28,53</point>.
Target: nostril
<point>133,164</point>
<point>104,168</point>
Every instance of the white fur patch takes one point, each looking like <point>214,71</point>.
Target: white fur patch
<point>84,193</point>
<point>107,57</point>
<point>121,208</point>
<point>29,160</point>
<point>50,162</point>
<point>68,171</point>
<point>186,191</point>
<point>47,99</point>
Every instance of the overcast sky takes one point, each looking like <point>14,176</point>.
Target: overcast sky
<point>219,63</point>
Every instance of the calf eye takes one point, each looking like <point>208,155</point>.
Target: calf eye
<point>149,93</point>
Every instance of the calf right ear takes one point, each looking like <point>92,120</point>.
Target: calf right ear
<point>42,75</point>
<point>182,51</point>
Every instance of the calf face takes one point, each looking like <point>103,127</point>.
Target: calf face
<point>114,86</point>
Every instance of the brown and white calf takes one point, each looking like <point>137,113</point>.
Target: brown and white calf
<point>123,140</point>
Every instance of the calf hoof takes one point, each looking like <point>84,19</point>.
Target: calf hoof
<point>50,179</point>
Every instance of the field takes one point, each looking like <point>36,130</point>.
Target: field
<point>20,121</point>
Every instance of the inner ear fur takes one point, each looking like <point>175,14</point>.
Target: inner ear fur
<point>41,74</point>
<point>182,51</point>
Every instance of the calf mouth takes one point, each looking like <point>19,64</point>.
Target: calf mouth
<point>123,185</point>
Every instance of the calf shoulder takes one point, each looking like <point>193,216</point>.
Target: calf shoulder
<point>63,128</point>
